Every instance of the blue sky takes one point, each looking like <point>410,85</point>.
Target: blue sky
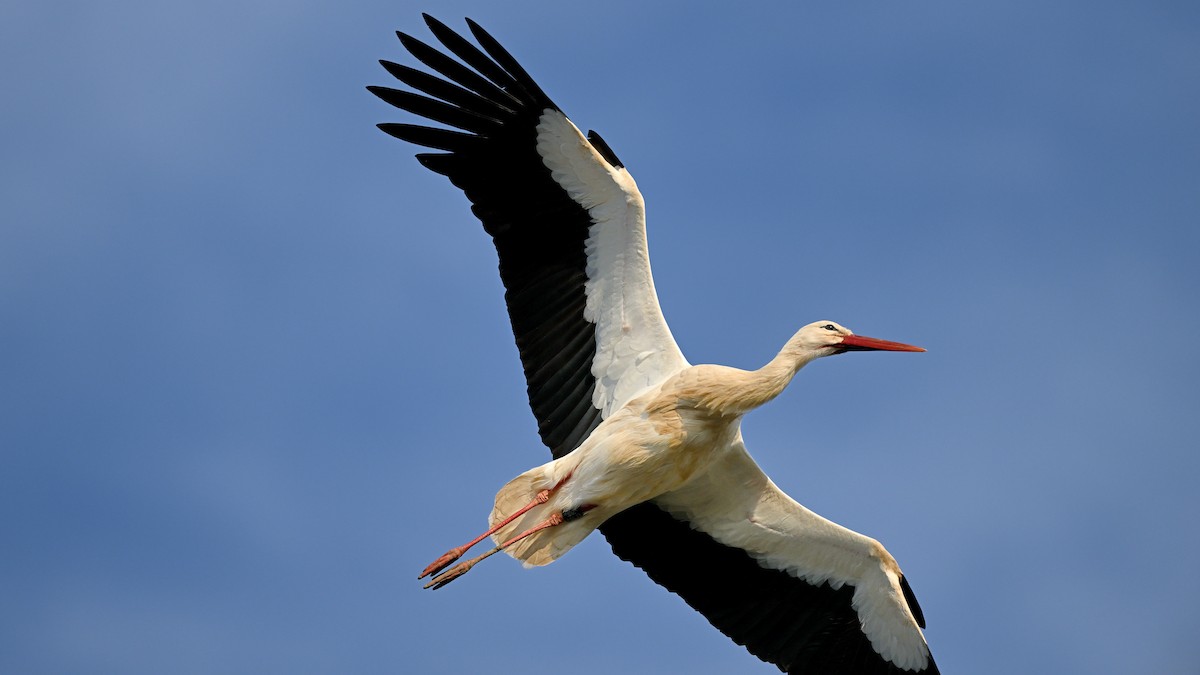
<point>256,369</point>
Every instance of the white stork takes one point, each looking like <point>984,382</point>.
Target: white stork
<point>646,447</point>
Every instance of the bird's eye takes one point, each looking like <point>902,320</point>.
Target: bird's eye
<point>828,326</point>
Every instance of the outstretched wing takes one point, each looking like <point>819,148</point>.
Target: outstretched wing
<point>568,223</point>
<point>567,220</point>
<point>795,589</point>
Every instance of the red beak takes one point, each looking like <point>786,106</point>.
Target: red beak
<point>863,343</point>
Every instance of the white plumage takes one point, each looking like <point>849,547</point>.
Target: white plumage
<point>635,348</point>
<point>646,447</point>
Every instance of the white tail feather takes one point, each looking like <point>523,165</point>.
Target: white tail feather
<point>545,546</point>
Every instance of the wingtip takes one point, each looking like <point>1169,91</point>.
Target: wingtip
<point>431,22</point>
<point>390,66</point>
<point>480,34</point>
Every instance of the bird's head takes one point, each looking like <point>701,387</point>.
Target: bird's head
<point>825,338</point>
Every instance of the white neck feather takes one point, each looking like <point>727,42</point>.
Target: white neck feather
<point>760,386</point>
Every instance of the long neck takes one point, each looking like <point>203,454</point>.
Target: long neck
<point>756,387</point>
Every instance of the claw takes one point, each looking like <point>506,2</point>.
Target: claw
<point>444,561</point>
<point>450,574</point>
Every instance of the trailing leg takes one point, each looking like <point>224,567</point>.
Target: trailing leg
<point>555,520</point>
<point>455,553</point>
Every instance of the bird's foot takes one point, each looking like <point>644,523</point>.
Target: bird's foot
<point>462,568</point>
<point>453,554</point>
<point>450,574</point>
<point>444,561</point>
<point>457,571</point>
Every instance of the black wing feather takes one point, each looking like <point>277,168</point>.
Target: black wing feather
<point>911,599</point>
<point>438,139</point>
<point>455,71</point>
<point>450,93</point>
<point>539,233</point>
<point>799,627</point>
<point>524,81</point>
<point>437,162</point>
<point>490,69</point>
<point>438,111</point>
<point>538,230</point>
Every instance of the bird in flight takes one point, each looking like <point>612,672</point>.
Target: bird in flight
<point>646,447</point>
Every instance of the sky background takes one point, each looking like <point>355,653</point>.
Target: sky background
<point>255,369</point>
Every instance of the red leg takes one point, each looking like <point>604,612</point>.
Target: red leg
<point>456,552</point>
<point>464,567</point>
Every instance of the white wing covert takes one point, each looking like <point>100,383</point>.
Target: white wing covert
<point>852,584</point>
<point>634,346</point>
<point>568,223</point>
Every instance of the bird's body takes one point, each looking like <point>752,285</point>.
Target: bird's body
<point>680,445</point>
<point>655,444</point>
<point>647,447</point>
